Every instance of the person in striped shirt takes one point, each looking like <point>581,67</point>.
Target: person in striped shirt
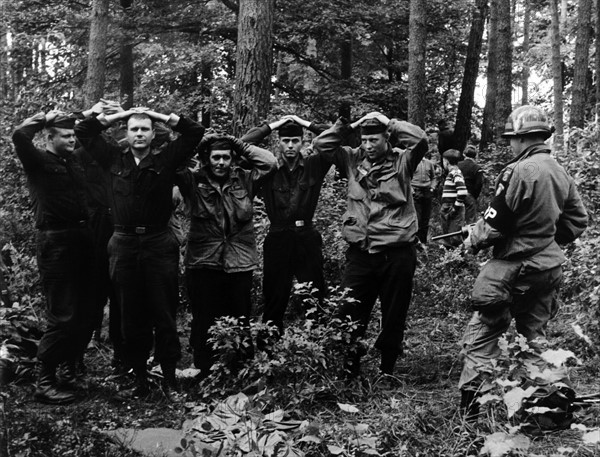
<point>454,193</point>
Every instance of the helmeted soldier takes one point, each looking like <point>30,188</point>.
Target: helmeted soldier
<point>536,208</point>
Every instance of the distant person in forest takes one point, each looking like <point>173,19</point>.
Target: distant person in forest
<point>143,252</point>
<point>292,247</point>
<point>65,251</point>
<point>446,138</point>
<point>454,193</point>
<point>424,184</point>
<point>526,221</point>
<point>380,224</point>
<point>474,178</point>
<point>221,251</point>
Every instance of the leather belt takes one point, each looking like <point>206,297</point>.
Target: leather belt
<point>65,225</point>
<point>293,225</point>
<point>139,229</point>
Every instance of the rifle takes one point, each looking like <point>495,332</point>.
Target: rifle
<point>463,232</point>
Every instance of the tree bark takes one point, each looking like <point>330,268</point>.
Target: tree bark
<point>254,61</point>
<point>597,62</point>
<point>557,78</point>
<point>462,127</point>
<point>126,81</point>
<point>4,68</point>
<point>417,47</point>
<point>487,128</point>
<point>346,61</point>
<point>580,72</point>
<point>96,68</point>
<point>526,71</point>
<point>504,75</point>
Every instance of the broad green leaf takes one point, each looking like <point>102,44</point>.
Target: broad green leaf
<point>275,416</point>
<point>310,439</point>
<point>335,450</point>
<point>592,437</point>
<point>489,398</point>
<point>499,444</point>
<point>348,408</point>
<point>359,429</point>
<point>513,399</point>
<point>557,357</point>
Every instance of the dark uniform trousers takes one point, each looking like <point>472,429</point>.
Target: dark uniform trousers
<point>65,259</point>
<point>214,294</point>
<point>144,269</point>
<point>389,276</point>
<point>102,229</point>
<point>423,199</point>
<point>288,253</point>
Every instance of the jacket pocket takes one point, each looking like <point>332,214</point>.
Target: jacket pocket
<point>389,189</point>
<point>121,180</point>
<point>242,205</point>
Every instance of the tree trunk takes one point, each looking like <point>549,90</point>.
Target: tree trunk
<point>345,108</point>
<point>563,14</point>
<point>96,68</point>
<point>557,78</point>
<point>205,90</point>
<point>462,127</point>
<point>126,81</point>
<point>525,74</point>
<point>597,61</point>
<point>580,72</point>
<point>487,128</point>
<point>254,61</point>
<point>4,68</point>
<point>504,57</point>
<point>417,47</point>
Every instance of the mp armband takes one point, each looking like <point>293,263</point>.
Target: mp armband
<point>499,216</point>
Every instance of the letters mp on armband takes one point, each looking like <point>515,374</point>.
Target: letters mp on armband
<point>498,215</point>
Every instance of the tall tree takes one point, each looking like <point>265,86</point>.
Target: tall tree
<point>4,74</point>
<point>489,111</point>
<point>417,30</point>
<point>504,74</point>
<point>526,71</point>
<point>254,61</point>
<point>557,78</point>
<point>96,68</point>
<point>345,109</point>
<point>580,70</point>
<point>597,61</point>
<point>462,127</point>
<point>126,77</point>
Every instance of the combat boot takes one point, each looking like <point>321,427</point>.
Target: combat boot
<point>388,362</point>
<point>469,406</point>
<point>67,376</point>
<point>169,378</point>
<point>47,390</point>
<point>140,387</point>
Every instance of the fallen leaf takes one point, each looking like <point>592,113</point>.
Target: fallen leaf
<point>348,408</point>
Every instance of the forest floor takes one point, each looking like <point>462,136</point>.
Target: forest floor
<point>413,413</point>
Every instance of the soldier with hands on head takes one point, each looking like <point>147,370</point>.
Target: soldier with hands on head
<point>380,224</point>
<point>221,251</point>
<point>293,247</point>
<point>143,252</point>
<point>536,208</point>
<point>64,249</point>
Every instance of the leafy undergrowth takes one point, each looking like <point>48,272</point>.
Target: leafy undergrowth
<point>298,396</point>
<point>293,396</point>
